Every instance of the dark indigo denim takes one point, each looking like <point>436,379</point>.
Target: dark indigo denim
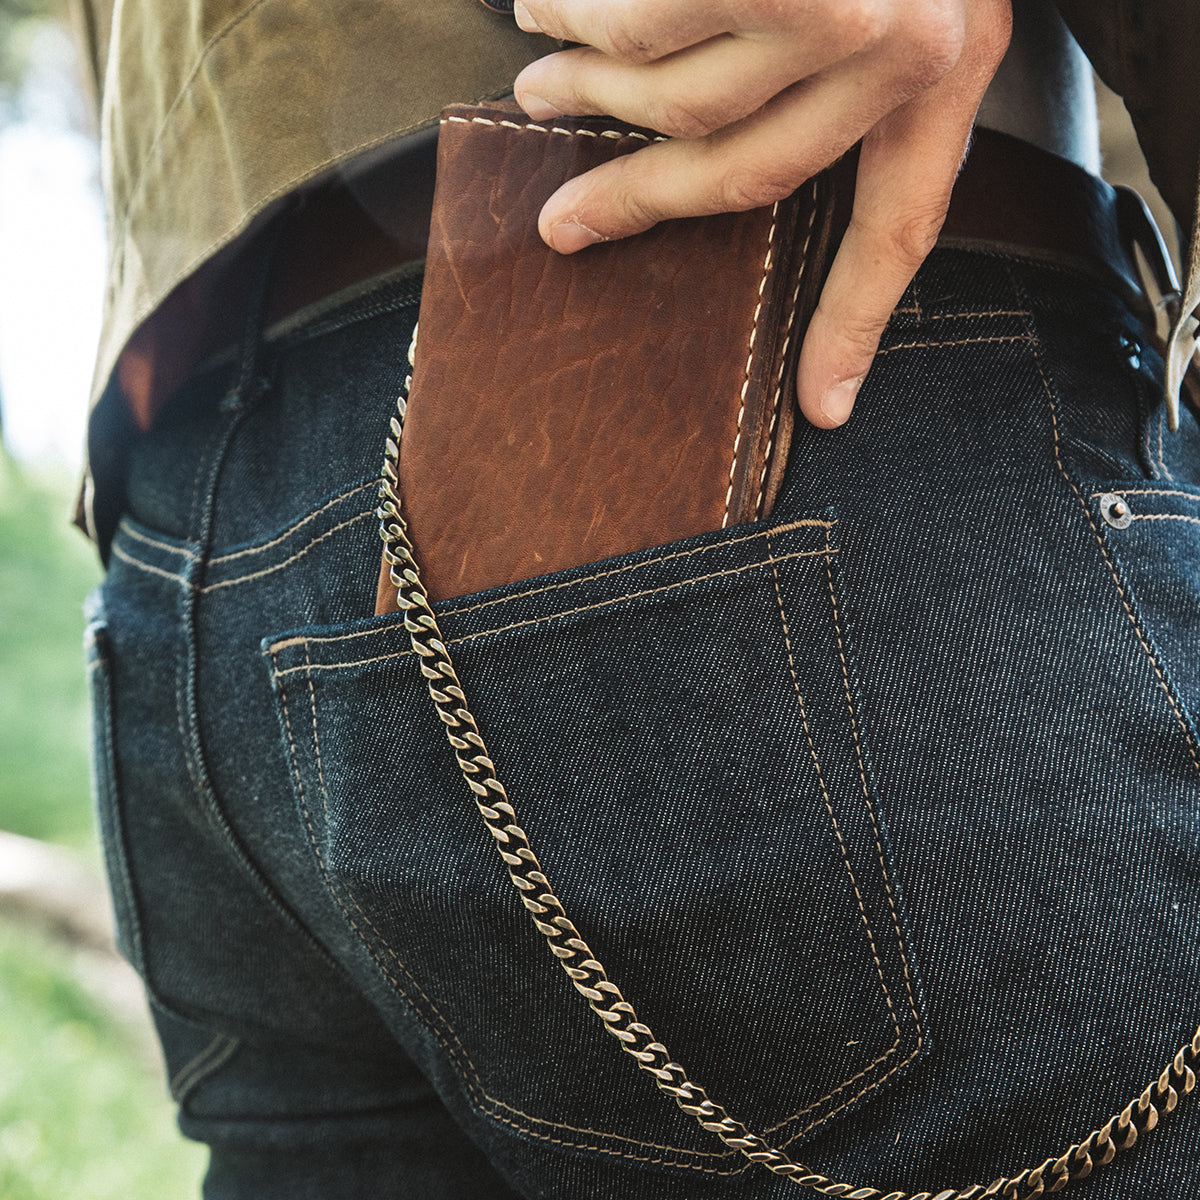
<point>882,812</point>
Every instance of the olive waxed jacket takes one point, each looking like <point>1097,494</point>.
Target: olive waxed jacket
<point>213,109</point>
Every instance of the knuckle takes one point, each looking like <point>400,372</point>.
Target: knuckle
<point>859,332</point>
<point>861,23</point>
<point>678,117</point>
<point>628,196</point>
<point>990,37</point>
<point>746,186</point>
<point>619,41</point>
<point>910,239</point>
<point>934,40</point>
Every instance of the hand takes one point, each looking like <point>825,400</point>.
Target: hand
<point>758,96</point>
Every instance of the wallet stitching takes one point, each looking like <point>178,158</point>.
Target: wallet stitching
<point>762,286</point>
<point>470,637</point>
<point>787,341</point>
<point>506,124</point>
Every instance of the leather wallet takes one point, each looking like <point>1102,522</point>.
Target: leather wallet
<point>565,409</point>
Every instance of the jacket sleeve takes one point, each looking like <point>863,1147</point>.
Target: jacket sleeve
<point>1147,51</point>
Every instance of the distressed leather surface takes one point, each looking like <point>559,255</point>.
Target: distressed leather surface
<point>569,408</point>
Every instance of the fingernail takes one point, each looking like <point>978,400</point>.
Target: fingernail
<point>537,108</point>
<point>568,236</point>
<point>525,19</point>
<point>839,400</point>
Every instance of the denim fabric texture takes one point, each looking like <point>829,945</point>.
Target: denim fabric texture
<point>883,812</point>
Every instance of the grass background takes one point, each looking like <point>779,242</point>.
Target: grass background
<point>84,1113</point>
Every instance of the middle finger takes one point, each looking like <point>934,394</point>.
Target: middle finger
<point>687,94</point>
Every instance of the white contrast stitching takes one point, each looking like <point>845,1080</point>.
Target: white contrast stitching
<point>1165,517</point>
<point>787,341</point>
<point>606,133</point>
<point>128,531</point>
<point>762,284</point>
<point>1016,337</point>
<point>287,562</point>
<point>1146,492</point>
<point>125,556</point>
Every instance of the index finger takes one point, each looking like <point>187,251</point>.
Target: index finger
<point>906,173</point>
<point>630,30</point>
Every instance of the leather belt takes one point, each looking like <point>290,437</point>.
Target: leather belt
<point>1010,197</point>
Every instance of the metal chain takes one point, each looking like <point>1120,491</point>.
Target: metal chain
<point>586,972</point>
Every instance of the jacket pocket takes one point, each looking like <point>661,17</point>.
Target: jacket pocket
<point>679,733</point>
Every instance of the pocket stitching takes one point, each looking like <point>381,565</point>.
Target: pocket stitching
<point>469,637</point>
<point>475,1087</point>
<point>829,552</point>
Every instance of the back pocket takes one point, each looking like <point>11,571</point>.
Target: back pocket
<point>679,734</point>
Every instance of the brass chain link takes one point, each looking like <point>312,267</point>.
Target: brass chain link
<point>586,972</point>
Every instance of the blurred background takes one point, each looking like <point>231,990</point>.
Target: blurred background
<point>83,1110</point>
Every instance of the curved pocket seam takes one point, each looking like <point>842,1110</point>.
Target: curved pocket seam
<point>467,1069</point>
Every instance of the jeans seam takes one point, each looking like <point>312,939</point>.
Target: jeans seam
<point>470,637</point>
<point>1147,492</point>
<point>1162,420</point>
<point>287,562</point>
<point>857,893</point>
<point>137,535</point>
<point>976,341</point>
<point>469,1075</point>
<point>103,668</point>
<point>292,529</point>
<point>1164,517</point>
<point>214,1056</point>
<point>1126,604</point>
<point>991,312</point>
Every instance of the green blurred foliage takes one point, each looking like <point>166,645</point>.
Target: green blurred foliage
<point>19,20</point>
<point>46,570</point>
<point>82,1114</point>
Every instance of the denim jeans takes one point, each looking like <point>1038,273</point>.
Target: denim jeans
<point>881,812</point>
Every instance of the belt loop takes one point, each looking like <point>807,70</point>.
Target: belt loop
<point>258,291</point>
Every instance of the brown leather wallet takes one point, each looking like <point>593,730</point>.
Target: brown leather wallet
<point>565,409</point>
